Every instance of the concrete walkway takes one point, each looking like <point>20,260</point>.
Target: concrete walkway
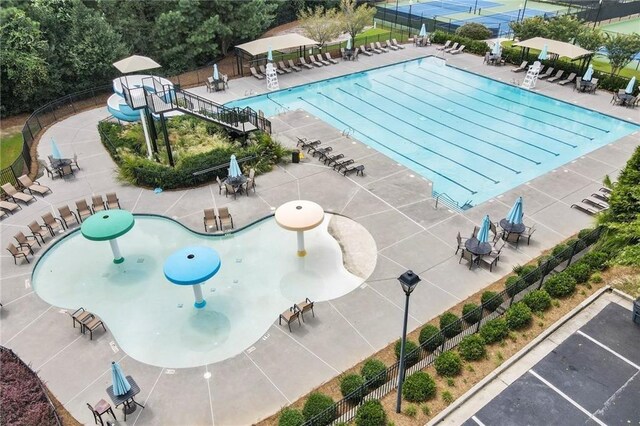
<point>392,202</point>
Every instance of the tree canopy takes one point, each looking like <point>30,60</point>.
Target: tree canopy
<point>622,48</point>
<point>320,25</point>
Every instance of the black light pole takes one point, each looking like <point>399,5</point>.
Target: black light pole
<point>597,14</point>
<point>408,281</point>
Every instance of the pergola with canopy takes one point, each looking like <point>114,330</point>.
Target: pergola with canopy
<point>256,50</point>
<point>558,48</point>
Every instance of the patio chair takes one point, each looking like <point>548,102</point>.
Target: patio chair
<point>256,74</point>
<point>112,201</point>
<point>74,161</point>
<point>80,316</point>
<point>594,86</point>
<point>289,316</point>
<point>578,85</point>
<point>546,74</point>
<point>556,77</point>
<point>66,170</point>
<point>293,66</point>
<point>358,168</point>
<point>458,50</point>
<point>53,223</point>
<point>304,63</point>
<point>38,230</point>
<point>568,80</point>
<point>220,184</point>
<point>211,86</point>
<point>522,67</point>
<point>494,229</point>
<point>26,241</point>
<point>487,58</point>
<point>17,252</point>
<point>66,215</point>
<point>230,189</point>
<point>528,232</point>
<point>380,47</point>
<point>50,172</point>
<point>454,47</point>
<point>460,242</point>
<point>314,62</point>
<point>225,81</point>
<point>224,217</point>
<point>251,181</point>
<point>469,257</point>
<point>396,44</point>
<point>210,220</point>
<point>616,99</point>
<point>97,203</point>
<point>16,195</point>
<point>99,409</point>
<point>355,55</point>
<point>488,260</point>
<point>305,306</point>
<point>475,231</point>
<point>593,203</point>
<point>284,68</point>
<point>444,46</point>
<point>9,207</point>
<point>275,67</point>
<point>329,58</point>
<point>512,238</point>
<point>91,325</point>
<point>584,209</point>
<point>32,186</point>
<point>389,45</point>
<point>322,60</point>
<point>83,209</point>
<point>364,51</point>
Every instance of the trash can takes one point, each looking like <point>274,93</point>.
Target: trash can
<point>295,156</point>
<point>636,311</point>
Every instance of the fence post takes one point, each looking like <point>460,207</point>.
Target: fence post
<point>543,273</point>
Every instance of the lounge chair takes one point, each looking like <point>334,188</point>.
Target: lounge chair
<point>364,51</point>
<point>32,186</point>
<point>262,70</point>
<point>329,58</point>
<point>278,70</point>
<point>342,163</point>
<point>396,44</point>
<point>374,49</point>
<point>38,230</point>
<point>314,62</point>
<point>17,252</point>
<point>289,316</point>
<point>322,60</point>
<point>50,172</point>
<point>53,223</point>
<point>556,77</point>
<point>293,66</point>
<point>601,197</point>
<point>568,80</point>
<point>358,168</point>
<point>16,195</point>
<point>91,325</point>
<point>97,203</point>
<point>444,46</point>
<point>284,67</point>
<point>605,190</point>
<point>112,201</point>
<point>224,217</point>
<point>230,189</point>
<point>66,215</point>
<point>454,47</point>
<point>9,207</point>
<point>256,74</point>
<point>390,46</point>
<point>99,409</point>
<point>528,232</point>
<point>210,220</point>
<point>546,74</point>
<point>26,241</point>
<point>513,238</point>
<point>80,316</point>
<point>469,257</point>
<point>584,209</point>
<point>460,242</point>
<point>251,181</point>
<point>321,151</point>
<point>304,143</point>
<point>83,209</point>
<point>594,203</point>
<point>305,64</point>
<point>332,158</point>
<point>522,67</point>
<point>305,306</point>
<point>379,46</point>
<point>458,50</point>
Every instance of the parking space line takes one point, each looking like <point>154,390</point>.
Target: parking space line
<point>605,347</point>
<point>566,397</point>
<point>475,419</point>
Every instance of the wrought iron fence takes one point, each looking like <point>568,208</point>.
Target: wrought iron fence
<point>420,358</point>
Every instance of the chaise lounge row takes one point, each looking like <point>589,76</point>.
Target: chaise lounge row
<point>326,155</point>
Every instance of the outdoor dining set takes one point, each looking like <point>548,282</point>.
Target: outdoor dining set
<point>217,81</point>
<point>236,183</point>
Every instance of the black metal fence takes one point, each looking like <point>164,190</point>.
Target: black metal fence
<point>608,9</point>
<point>345,409</point>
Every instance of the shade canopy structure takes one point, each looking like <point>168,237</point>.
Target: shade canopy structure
<point>516,212</point>
<point>248,54</point>
<point>135,63</point>
<point>629,89</point>
<point>559,48</point>
<point>483,233</point>
<point>299,216</point>
<point>120,383</point>
<point>108,226</point>
<point>544,53</point>
<point>192,266</point>
<point>55,151</point>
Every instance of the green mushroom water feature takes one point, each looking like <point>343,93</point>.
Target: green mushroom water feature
<point>107,226</point>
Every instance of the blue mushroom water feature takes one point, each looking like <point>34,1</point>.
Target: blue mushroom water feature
<point>192,266</point>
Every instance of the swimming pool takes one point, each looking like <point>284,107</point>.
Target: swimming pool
<point>155,322</point>
<point>473,137</point>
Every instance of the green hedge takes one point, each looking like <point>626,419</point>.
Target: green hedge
<point>448,364</point>
<point>371,413</point>
<point>518,316</point>
<point>494,330</point>
<point>490,300</point>
<point>472,348</point>
<point>472,46</point>
<point>290,417</point>
<point>450,324</point>
<point>319,403</point>
<point>411,355</point>
<point>560,285</point>
<point>471,313</point>
<point>537,300</point>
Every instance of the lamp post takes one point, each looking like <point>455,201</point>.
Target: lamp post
<point>408,281</point>
<point>597,14</point>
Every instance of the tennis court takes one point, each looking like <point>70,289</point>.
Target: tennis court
<point>623,27</point>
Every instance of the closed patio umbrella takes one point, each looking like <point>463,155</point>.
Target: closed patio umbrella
<point>216,76</point>
<point>515,214</point>
<point>483,233</point>
<point>497,49</point>
<point>120,383</point>
<point>629,89</point>
<point>543,53</point>
<point>423,31</point>
<point>588,74</point>
<point>55,152</point>
<point>349,43</point>
<point>234,168</point>
<point>270,55</point>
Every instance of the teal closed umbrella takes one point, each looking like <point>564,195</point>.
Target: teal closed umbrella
<point>423,31</point>
<point>588,74</point>
<point>516,212</point>
<point>55,152</point>
<point>543,53</point>
<point>216,76</point>
<point>483,233</point>
<point>234,168</point>
<point>629,89</point>
<point>349,43</point>
<point>120,383</point>
<point>497,49</point>
<point>270,55</point>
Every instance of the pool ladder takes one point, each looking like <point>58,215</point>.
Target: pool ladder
<point>444,198</point>
<point>349,131</point>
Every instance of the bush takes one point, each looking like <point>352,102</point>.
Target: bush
<point>371,413</point>
<point>317,403</point>
<point>411,355</point>
<point>290,417</point>
<point>577,245</point>
<point>472,348</point>
<point>490,300</point>
<point>579,271</point>
<point>494,330</point>
<point>560,285</point>
<point>561,251</point>
<point>529,273</point>
<point>518,316</point>
<point>547,264</point>
<point>373,372</point>
<point>419,387</point>
<point>474,31</point>
<point>448,364</point>
<point>514,285</point>
<point>596,260</point>
<point>471,313</point>
<point>472,46</point>
<point>430,337</point>
<point>352,386</point>
<point>538,300</point>
<point>588,235</point>
<point>450,324</point>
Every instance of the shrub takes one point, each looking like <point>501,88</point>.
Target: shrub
<point>371,413</point>
<point>587,235</point>
<point>596,277</point>
<point>352,386</point>
<point>471,313</point>
<point>430,337</point>
<point>596,260</point>
<point>450,324</point>
<point>373,372</point>
<point>448,364</point>
<point>318,403</point>
<point>419,387</point>
<point>411,355</point>
<point>472,46</point>
<point>474,31</point>
<point>561,251</point>
<point>290,417</point>
<point>447,397</point>
<point>490,300</point>
<point>514,285</point>
<point>472,348</point>
<point>577,244</point>
<point>547,264</point>
<point>579,271</point>
<point>560,285</point>
<point>538,300</point>
<point>530,274</point>
<point>411,410</point>
<point>494,330</point>
<point>518,316</point>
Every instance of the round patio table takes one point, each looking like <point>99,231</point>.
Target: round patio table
<point>192,266</point>
<point>299,216</point>
<point>108,226</point>
<point>236,181</point>
<point>514,228</point>
<point>476,247</point>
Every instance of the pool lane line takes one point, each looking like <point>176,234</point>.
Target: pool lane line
<point>446,125</point>
<point>410,141</point>
<point>508,110</point>
<point>431,134</point>
<point>516,102</point>
<point>466,119</point>
<point>391,149</point>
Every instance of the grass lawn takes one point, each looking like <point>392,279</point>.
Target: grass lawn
<point>10,149</point>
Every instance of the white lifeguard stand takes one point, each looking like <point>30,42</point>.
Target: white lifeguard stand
<point>531,78</point>
<point>272,77</point>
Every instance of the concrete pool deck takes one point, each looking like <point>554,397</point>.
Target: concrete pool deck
<point>393,203</point>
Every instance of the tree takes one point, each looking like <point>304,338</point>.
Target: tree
<point>355,18</point>
<point>563,28</point>
<point>622,48</point>
<point>590,38</point>
<point>320,25</point>
<point>529,28</point>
